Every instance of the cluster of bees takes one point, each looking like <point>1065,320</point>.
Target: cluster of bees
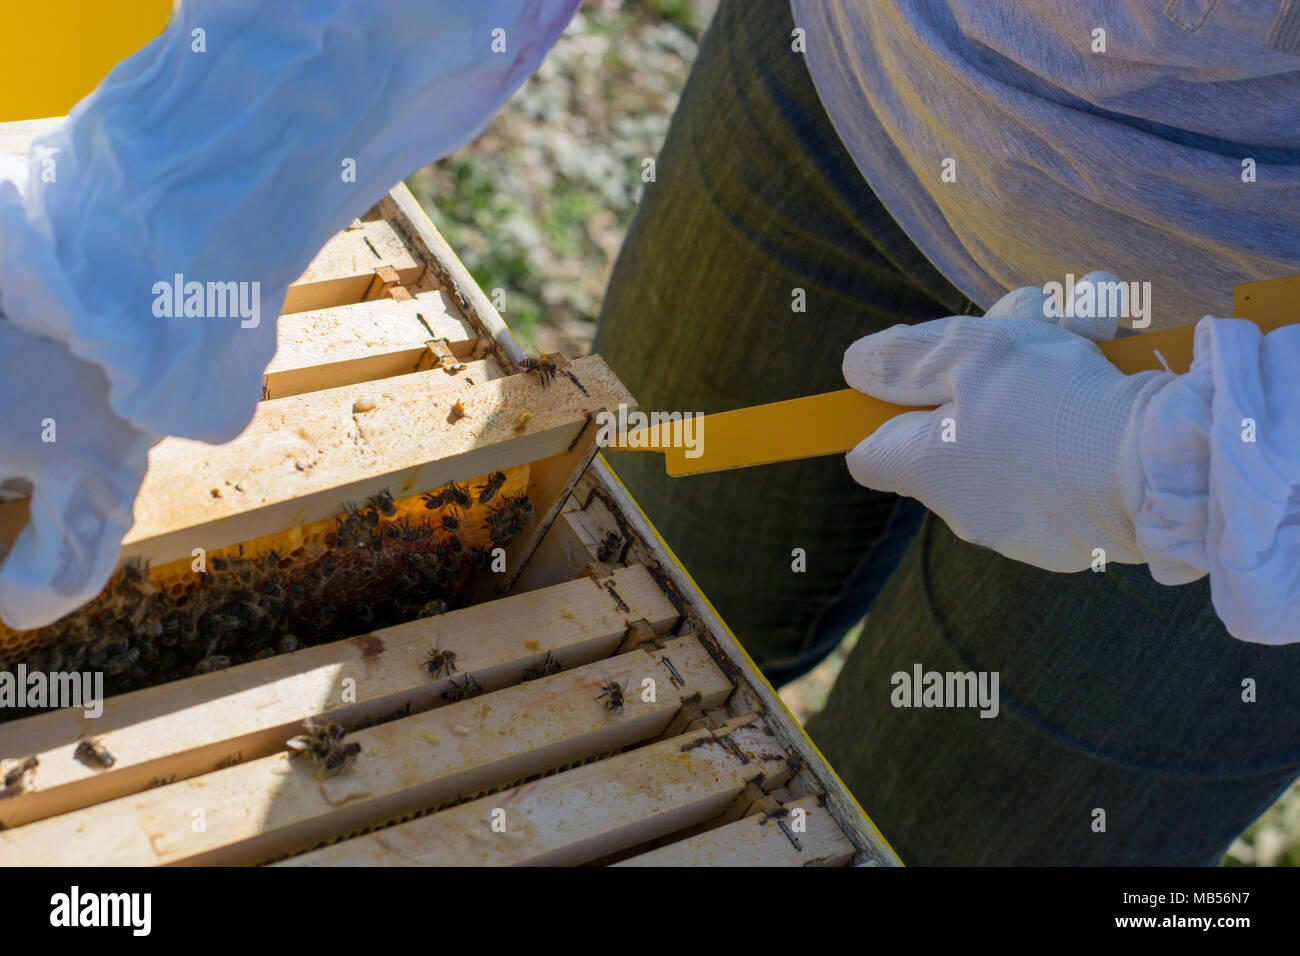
<point>442,663</point>
<point>504,520</point>
<point>373,570</point>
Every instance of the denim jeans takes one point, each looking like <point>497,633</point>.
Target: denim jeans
<point>756,206</point>
<point>1122,734</point>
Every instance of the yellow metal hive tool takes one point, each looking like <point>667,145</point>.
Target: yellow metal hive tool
<point>834,422</point>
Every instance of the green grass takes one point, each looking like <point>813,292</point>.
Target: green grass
<point>539,205</point>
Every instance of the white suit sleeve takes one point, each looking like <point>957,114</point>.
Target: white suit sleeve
<point>1220,452</point>
<point>223,152</point>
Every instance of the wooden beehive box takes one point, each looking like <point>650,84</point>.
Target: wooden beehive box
<point>394,372</point>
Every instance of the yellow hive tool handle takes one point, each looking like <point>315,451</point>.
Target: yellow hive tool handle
<point>834,422</point>
<point>56,51</point>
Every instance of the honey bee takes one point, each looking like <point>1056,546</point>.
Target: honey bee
<point>213,662</point>
<point>433,608</point>
<point>325,730</point>
<point>403,530</point>
<point>92,753</point>
<point>134,573</point>
<point>18,777</point>
<point>612,693</point>
<point>244,570</point>
<point>458,495</point>
<point>550,665</point>
<point>452,494</point>
<point>513,506</point>
<point>383,503</point>
<point>323,743</point>
<point>451,520</point>
<point>494,483</point>
<point>440,662</point>
<point>608,546</point>
<point>323,618</point>
<point>350,525</point>
<point>124,661</point>
<point>463,691</point>
<point>509,517</point>
<point>403,711</point>
<point>546,369</point>
<point>338,757</point>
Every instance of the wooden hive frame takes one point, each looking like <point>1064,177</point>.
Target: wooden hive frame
<point>395,372</point>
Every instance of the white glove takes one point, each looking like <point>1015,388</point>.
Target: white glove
<point>228,165</point>
<point>82,482</point>
<point>1033,450</point>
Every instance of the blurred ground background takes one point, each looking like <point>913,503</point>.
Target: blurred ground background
<point>538,206</point>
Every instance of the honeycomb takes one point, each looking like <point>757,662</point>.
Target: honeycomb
<point>375,564</point>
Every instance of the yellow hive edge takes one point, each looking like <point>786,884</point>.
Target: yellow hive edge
<point>756,672</point>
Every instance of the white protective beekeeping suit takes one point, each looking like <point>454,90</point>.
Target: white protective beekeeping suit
<point>229,165</point>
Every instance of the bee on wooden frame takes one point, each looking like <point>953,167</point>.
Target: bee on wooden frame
<point>93,753</point>
<point>463,690</point>
<point>545,369</point>
<point>18,777</point>
<point>440,662</point>
<point>338,757</point>
<point>609,546</point>
<point>611,691</point>
<point>323,743</point>
<point>550,665</point>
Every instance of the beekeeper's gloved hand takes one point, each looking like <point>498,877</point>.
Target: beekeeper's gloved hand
<point>229,150</point>
<point>82,465</point>
<point>1033,450</point>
